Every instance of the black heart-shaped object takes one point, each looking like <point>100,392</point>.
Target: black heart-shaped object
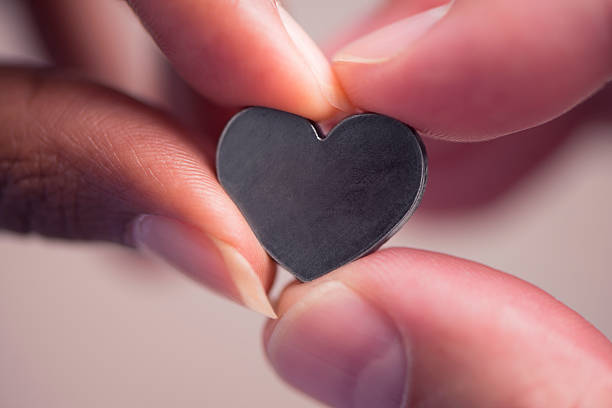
<point>318,203</point>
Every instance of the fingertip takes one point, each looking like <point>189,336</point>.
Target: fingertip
<point>319,65</point>
<point>205,259</point>
<point>248,53</point>
<point>475,71</point>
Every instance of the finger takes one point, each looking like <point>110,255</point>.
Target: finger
<point>467,175</point>
<point>386,13</point>
<point>476,70</point>
<point>412,328</point>
<point>244,53</point>
<point>194,111</point>
<point>464,176</point>
<point>78,161</point>
<point>102,40</point>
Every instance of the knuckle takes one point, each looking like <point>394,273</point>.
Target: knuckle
<point>37,193</point>
<point>46,194</point>
<point>52,180</point>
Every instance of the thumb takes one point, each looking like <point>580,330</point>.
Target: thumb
<point>412,328</point>
<point>474,70</point>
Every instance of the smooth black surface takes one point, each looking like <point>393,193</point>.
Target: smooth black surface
<point>316,204</point>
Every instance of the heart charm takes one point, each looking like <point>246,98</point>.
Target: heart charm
<point>316,204</point>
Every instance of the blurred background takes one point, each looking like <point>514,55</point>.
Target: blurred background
<point>94,325</point>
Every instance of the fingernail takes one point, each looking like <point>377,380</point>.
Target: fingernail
<point>207,260</point>
<point>316,61</point>
<point>387,42</point>
<point>336,347</point>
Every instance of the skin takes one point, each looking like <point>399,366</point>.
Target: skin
<point>81,161</point>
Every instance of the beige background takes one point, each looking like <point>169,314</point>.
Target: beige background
<point>98,326</point>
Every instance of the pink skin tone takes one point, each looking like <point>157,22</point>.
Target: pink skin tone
<point>456,74</point>
<point>469,336</point>
<point>399,327</point>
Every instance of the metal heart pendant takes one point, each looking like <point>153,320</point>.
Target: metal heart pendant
<point>318,203</point>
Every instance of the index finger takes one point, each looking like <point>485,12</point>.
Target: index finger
<point>243,53</point>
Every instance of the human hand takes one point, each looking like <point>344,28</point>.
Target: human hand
<point>411,328</point>
<point>80,161</point>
